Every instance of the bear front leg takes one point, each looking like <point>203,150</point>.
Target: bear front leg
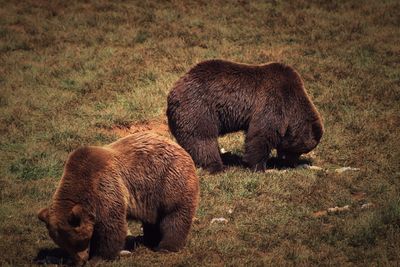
<point>174,229</point>
<point>108,240</point>
<point>151,235</point>
<point>256,153</point>
<point>258,145</point>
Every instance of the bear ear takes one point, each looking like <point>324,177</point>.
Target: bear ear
<point>43,215</point>
<point>75,217</point>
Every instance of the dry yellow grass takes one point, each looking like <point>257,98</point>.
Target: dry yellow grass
<point>71,72</point>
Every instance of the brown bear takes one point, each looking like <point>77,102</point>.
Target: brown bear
<point>268,102</point>
<point>142,177</point>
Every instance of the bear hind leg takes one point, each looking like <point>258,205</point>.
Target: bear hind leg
<point>205,153</point>
<point>199,137</point>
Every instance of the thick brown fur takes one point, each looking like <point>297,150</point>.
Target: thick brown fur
<point>142,177</point>
<point>268,102</point>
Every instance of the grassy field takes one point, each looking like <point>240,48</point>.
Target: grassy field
<point>86,72</point>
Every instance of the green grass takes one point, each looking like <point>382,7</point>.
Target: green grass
<point>71,72</point>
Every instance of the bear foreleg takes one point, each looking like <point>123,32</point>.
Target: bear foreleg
<point>258,145</point>
<point>256,153</point>
<point>151,235</point>
<point>174,229</point>
<point>108,240</point>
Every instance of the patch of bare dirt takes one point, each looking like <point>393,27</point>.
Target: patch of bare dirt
<point>358,196</point>
<point>17,28</point>
<point>320,213</point>
<point>158,126</point>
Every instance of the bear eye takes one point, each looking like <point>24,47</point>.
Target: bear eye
<point>74,221</point>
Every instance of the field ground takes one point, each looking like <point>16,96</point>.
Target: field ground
<point>83,72</point>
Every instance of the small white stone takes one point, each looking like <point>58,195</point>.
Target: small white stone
<point>219,220</point>
<point>339,209</point>
<point>124,253</point>
<point>332,210</point>
<point>230,211</point>
<point>367,206</point>
<point>343,169</point>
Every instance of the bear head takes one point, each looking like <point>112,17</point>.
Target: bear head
<point>300,137</point>
<point>71,228</point>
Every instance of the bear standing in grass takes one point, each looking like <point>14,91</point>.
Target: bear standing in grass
<point>268,102</point>
<point>143,177</point>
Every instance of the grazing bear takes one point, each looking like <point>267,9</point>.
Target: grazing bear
<point>268,102</point>
<point>142,177</point>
